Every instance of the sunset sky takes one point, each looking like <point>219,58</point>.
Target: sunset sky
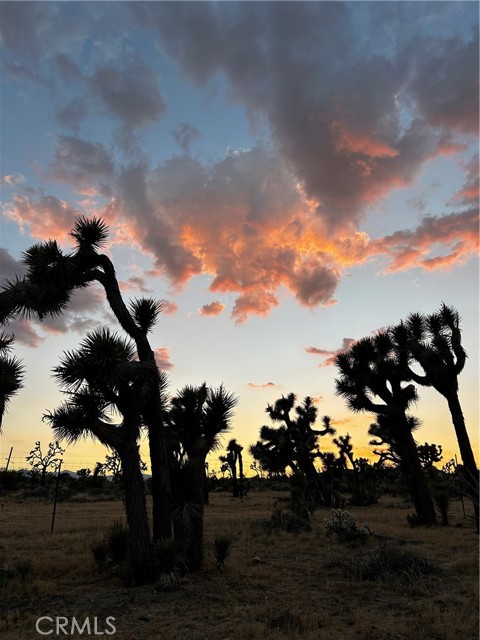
<point>287,176</point>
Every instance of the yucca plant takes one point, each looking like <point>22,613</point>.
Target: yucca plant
<point>167,564</point>
<point>222,547</point>
<point>117,542</point>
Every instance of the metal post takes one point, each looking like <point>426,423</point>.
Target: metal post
<point>56,496</point>
<point>9,458</point>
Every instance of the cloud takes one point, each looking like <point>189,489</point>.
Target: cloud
<point>162,357</point>
<point>45,216</point>
<point>85,312</point>
<point>131,93</point>
<point>211,309</point>
<point>456,233</point>
<point>354,121</point>
<point>261,386</point>
<point>9,267</point>
<point>184,135</point>
<point>169,308</point>
<point>470,191</point>
<point>24,332</point>
<point>82,164</point>
<point>13,180</point>
<point>330,360</point>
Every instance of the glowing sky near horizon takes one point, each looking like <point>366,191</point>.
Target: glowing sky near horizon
<point>288,176</point>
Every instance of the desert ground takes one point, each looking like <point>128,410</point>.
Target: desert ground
<point>275,585</point>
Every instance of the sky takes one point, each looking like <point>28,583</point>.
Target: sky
<point>288,177</point>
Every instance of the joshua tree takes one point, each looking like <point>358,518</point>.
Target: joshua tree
<point>435,342</point>
<point>429,454</point>
<point>198,416</point>
<point>11,374</point>
<point>103,378</point>
<point>41,462</point>
<point>51,278</point>
<point>234,457</point>
<point>371,379</point>
<point>295,441</point>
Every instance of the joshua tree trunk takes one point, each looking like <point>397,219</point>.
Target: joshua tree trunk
<point>136,512</point>
<point>414,478</point>
<point>235,489</point>
<point>159,459</point>
<point>466,451</point>
<point>194,550</point>
<point>240,473</point>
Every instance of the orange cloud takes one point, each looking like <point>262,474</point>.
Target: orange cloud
<point>457,233</point>
<point>354,141</point>
<point>211,309</point>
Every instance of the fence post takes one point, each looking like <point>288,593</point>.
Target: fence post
<point>56,496</point>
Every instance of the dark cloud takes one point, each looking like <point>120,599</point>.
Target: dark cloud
<point>131,93</point>
<point>82,164</point>
<point>184,134</point>
<point>339,104</point>
<point>9,267</point>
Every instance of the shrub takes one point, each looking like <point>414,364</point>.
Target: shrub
<point>114,546</point>
<point>288,520</point>
<point>100,554</point>
<point>23,568</point>
<point>343,525</point>
<point>222,547</point>
<point>117,542</point>
<point>166,564</point>
<point>387,562</point>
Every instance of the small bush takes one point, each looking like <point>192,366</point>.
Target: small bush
<point>117,542</point>
<point>288,520</point>
<point>387,562</point>
<point>100,554</point>
<point>114,547</point>
<point>23,568</point>
<point>222,547</point>
<point>343,525</point>
<point>286,621</point>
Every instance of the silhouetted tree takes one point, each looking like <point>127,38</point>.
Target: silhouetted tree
<point>197,418</point>
<point>435,342</point>
<point>429,454</point>
<point>103,378</point>
<point>369,373</point>
<point>295,442</point>
<point>232,459</point>
<point>42,462</point>
<point>51,278</point>
<point>11,374</point>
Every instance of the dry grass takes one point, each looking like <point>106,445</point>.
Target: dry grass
<point>299,590</point>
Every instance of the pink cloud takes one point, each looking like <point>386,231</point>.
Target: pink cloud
<point>162,358</point>
<point>211,309</point>
<point>24,332</point>
<point>457,233</point>
<point>330,360</point>
<point>169,308</point>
